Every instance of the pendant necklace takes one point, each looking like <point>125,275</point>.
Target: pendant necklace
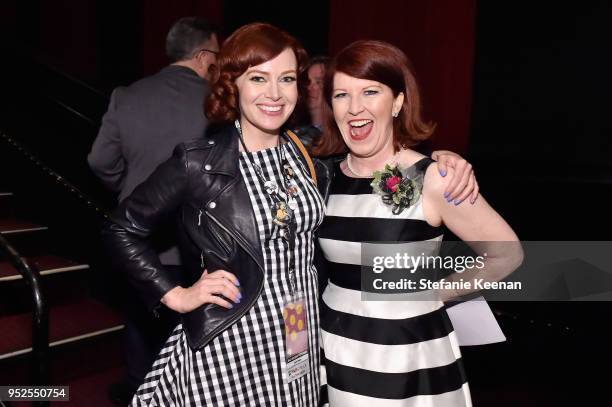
<point>282,209</point>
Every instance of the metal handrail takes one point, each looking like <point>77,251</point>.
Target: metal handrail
<point>57,177</point>
<point>40,314</point>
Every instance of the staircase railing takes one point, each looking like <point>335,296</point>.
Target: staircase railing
<point>90,202</point>
<point>40,313</point>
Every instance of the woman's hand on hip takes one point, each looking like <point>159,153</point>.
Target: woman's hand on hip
<point>207,290</point>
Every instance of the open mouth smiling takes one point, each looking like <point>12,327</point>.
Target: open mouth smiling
<point>360,129</point>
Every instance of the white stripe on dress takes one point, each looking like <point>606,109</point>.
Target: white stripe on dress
<point>367,206</point>
<point>456,398</point>
<point>384,358</point>
<point>342,251</point>
<point>351,302</point>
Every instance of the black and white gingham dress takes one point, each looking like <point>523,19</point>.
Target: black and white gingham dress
<point>245,365</point>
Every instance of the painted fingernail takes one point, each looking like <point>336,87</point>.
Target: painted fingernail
<point>237,283</point>
<point>443,173</point>
<point>457,202</point>
<point>446,194</point>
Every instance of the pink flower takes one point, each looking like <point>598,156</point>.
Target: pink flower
<point>393,183</point>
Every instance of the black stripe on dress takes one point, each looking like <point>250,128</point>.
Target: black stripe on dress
<point>361,278</point>
<point>436,380</point>
<point>424,327</point>
<point>356,229</point>
<point>343,184</point>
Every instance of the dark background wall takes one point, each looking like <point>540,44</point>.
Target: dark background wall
<point>542,84</point>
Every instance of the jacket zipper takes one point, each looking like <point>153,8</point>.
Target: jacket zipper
<point>202,251</point>
<point>216,237</point>
<point>236,317</point>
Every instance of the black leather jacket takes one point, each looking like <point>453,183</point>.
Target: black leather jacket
<point>202,184</point>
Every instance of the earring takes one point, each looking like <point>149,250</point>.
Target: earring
<point>395,114</point>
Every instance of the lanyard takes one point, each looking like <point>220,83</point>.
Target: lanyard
<point>282,209</point>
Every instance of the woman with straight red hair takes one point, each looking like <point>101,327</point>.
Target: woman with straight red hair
<point>391,345</point>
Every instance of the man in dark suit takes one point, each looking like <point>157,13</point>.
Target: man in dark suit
<point>143,124</point>
<point>147,119</point>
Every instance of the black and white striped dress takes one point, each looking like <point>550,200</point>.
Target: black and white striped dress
<point>245,365</point>
<point>382,353</point>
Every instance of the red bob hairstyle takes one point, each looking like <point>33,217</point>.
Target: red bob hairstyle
<point>248,46</point>
<point>381,62</point>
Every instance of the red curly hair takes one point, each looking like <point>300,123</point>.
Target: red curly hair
<point>248,46</point>
<point>381,62</point>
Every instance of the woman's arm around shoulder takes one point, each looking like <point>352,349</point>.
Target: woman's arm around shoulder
<point>477,222</point>
<point>479,225</point>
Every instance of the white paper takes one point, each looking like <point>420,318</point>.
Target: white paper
<point>474,323</point>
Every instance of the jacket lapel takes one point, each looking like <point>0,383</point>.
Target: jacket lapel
<point>231,206</point>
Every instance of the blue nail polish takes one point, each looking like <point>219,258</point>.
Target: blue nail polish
<point>443,173</point>
<point>237,283</point>
<point>446,194</point>
<point>449,199</point>
<point>457,202</point>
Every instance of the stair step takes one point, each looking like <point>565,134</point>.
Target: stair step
<point>92,390</point>
<point>67,323</point>
<point>10,225</point>
<point>88,367</point>
<point>45,264</point>
<point>37,243</point>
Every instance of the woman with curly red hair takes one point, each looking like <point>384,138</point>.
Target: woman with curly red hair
<point>248,208</point>
<point>247,205</point>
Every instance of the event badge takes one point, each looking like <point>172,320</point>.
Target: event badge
<point>296,337</point>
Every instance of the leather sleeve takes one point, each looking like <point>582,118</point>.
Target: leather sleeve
<point>126,234</point>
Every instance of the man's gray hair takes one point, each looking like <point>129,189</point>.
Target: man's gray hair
<point>186,37</point>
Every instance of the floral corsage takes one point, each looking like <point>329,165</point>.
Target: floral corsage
<point>400,188</point>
